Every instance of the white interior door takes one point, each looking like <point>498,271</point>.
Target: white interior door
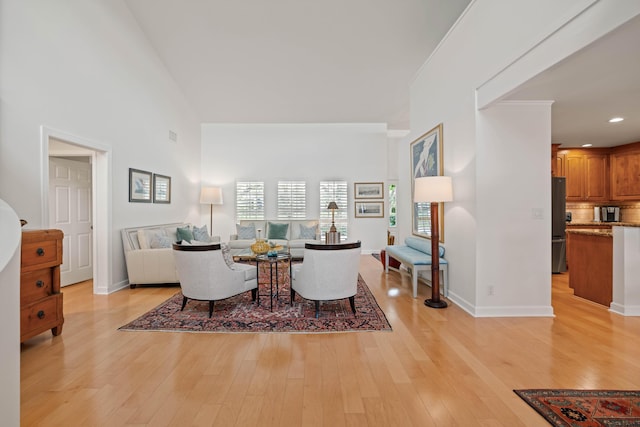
<point>70,211</point>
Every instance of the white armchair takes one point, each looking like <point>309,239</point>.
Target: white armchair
<point>328,272</point>
<point>205,276</point>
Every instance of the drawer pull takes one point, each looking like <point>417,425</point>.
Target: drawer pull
<point>41,314</point>
<point>39,283</point>
<point>40,252</point>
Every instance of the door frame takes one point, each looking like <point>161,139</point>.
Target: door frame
<point>101,199</point>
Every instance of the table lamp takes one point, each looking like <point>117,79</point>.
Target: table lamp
<point>434,189</point>
<point>333,206</point>
<point>211,196</point>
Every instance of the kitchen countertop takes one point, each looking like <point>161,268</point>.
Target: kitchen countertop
<point>592,232</point>
<point>601,223</point>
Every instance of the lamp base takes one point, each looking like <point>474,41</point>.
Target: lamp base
<point>435,303</point>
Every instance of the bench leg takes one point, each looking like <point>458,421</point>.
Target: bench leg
<point>386,261</point>
<point>445,279</point>
<point>414,279</point>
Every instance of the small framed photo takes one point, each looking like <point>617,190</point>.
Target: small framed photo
<point>161,188</point>
<point>368,190</point>
<point>369,209</point>
<point>139,186</point>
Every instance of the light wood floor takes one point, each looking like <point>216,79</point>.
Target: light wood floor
<point>437,367</point>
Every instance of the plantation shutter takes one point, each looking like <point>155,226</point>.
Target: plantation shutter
<point>249,200</point>
<point>292,200</point>
<point>334,191</point>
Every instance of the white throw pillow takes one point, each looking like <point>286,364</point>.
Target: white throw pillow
<point>201,233</point>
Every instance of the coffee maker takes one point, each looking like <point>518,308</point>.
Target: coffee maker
<point>610,214</point>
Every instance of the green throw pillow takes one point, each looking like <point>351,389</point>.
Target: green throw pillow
<point>184,233</point>
<point>278,231</point>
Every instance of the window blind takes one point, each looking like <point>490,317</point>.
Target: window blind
<point>334,191</point>
<point>249,200</point>
<point>292,200</point>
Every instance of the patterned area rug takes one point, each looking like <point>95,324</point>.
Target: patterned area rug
<point>579,408</point>
<point>241,314</point>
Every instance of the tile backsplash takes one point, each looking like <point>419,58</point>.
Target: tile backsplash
<point>583,212</point>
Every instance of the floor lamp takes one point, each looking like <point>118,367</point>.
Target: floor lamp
<point>211,196</point>
<point>434,189</point>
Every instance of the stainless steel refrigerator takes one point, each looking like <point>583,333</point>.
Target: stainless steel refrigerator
<point>558,225</point>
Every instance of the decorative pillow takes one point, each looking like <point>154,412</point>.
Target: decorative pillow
<point>146,236</point>
<point>160,241</point>
<point>226,254</point>
<point>184,233</point>
<point>201,234</point>
<point>308,233</point>
<point>278,231</point>
<point>246,231</point>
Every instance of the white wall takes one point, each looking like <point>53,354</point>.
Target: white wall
<point>86,69</point>
<point>309,152</point>
<point>493,46</point>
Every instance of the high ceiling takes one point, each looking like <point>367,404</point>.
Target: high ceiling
<point>296,61</point>
<point>590,87</point>
<point>336,61</point>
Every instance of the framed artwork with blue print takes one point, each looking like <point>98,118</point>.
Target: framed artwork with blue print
<point>426,160</point>
<point>139,186</point>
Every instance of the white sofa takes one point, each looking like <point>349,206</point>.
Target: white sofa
<point>147,263</point>
<point>293,236</point>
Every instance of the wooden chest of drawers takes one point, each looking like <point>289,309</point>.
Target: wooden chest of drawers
<point>40,297</point>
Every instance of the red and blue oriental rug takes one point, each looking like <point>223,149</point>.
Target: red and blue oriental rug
<point>582,408</point>
<point>241,314</point>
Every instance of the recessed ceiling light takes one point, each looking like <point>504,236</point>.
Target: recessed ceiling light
<point>587,145</point>
<point>616,120</point>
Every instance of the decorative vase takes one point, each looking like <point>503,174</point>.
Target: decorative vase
<point>260,247</point>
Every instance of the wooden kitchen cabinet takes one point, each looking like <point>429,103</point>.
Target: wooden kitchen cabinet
<point>557,161</point>
<point>625,172</point>
<point>587,173</point>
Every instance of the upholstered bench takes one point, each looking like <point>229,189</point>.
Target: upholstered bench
<point>415,254</point>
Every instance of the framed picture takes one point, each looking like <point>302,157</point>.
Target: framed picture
<point>161,188</point>
<point>139,186</point>
<point>369,209</point>
<point>426,160</point>
<point>368,190</point>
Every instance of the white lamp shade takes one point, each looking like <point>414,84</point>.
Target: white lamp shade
<point>433,189</point>
<point>211,196</point>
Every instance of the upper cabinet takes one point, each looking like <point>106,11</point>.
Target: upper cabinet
<point>625,172</point>
<point>587,173</point>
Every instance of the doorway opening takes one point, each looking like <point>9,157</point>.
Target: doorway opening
<point>63,144</point>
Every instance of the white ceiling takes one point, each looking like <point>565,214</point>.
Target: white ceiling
<point>336,61</point>
<point>296,61</point>
<point>590,87</point>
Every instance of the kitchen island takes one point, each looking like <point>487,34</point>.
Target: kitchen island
<point>591,264</point>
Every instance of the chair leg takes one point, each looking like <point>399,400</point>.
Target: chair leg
<point>352,302</point>
<point>317,308</point>
<point>210,309</point>
<point>184,302</point>
<point>293,295</point>
<point>254,293</point>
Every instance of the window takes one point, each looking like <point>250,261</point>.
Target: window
<point>334,191</point>
<point>392,205</point>
<point>422,215</point>
<point>249,200</point>
<point>292,200</point>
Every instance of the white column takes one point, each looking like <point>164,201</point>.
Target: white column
<point>626,271</point>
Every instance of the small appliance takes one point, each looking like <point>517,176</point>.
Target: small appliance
<point>610,214</point>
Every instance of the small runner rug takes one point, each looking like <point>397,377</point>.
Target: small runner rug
<point>580,408</point>
<point>241,314</point>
